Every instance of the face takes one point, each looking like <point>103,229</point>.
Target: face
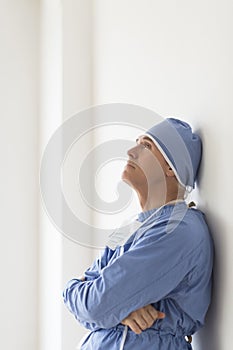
<point>146,167</point>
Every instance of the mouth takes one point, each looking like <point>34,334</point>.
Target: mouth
<point>131,164</point>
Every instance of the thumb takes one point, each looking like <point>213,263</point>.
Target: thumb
<point>161,314</point>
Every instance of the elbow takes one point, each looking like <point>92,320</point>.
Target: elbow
<point>89,305</point>
<point>70,298</point>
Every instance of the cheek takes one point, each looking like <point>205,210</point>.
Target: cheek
<point>151,167</point>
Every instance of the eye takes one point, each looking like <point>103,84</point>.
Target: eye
<point>147,145</point>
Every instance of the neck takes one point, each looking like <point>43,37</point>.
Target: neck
<point>158,199</point>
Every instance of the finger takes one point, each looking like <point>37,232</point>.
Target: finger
<point>81,278</point>
<point>155,313</point>
<point>150,318</point>
<point>143,323</point>
<point>161,315</point>
<point>143,317</point>
<point>133,325</point>
<point>145,320</point>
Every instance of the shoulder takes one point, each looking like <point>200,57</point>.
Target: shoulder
<point>191,223</point>
<point>195,222</point>
<point>186,229</point>
<point>193,232</point>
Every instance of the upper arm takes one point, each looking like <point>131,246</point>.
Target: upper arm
<point>99,263</point>
<point>145,274</point>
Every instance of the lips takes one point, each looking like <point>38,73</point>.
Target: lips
<point>131,164</point>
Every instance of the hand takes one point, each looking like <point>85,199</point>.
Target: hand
<point>82,278</point>
<point>142,318</point>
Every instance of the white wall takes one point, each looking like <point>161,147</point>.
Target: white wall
<point>50,118</point>
<point>77,96</point>
<point>65,89</point>
<point>19,174</point>
<point>172,57</point>
<point>175,57</point>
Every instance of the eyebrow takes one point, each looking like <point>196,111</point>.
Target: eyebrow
<point>144,138</point>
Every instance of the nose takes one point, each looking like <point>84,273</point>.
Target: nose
<point>133,152</point>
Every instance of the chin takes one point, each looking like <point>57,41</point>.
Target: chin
<point>125,178</point>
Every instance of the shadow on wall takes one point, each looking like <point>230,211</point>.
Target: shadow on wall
<point>209,337</point>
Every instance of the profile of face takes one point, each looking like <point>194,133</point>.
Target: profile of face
<point>146,166</point>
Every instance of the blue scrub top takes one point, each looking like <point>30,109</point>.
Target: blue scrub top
<point>170,270</point>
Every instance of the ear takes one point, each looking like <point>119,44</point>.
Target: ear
<point>169,172</point>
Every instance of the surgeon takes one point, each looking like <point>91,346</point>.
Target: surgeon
<point>151,288</point>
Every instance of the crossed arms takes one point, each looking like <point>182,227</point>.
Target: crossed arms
<point>140,319</point>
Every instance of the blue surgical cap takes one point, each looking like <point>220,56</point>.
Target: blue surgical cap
<point>181,148</point>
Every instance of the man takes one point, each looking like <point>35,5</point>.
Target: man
<point>151,289</point>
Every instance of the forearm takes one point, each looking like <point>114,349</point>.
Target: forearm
<point>88,302</point>
<point>120,288</point>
